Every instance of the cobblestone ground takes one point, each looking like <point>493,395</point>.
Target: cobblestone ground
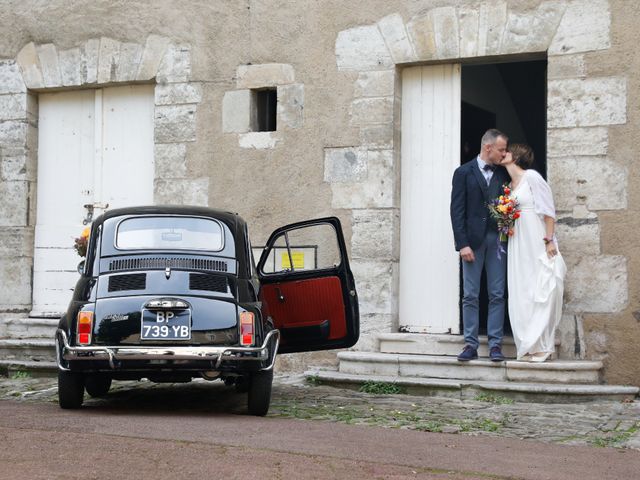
<point>603,424</point>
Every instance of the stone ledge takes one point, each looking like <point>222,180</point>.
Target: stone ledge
<point>528,392</point>
<point>29,342</point>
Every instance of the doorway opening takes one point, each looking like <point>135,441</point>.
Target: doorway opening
<point>511,97</point>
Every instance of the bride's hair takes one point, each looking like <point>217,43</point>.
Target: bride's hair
<point>522,155</point>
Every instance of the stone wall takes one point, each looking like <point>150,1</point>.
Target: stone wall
<point>18,147</point>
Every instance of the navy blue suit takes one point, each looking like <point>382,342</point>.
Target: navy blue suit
<point>473,227</point>
<point>470,194</point>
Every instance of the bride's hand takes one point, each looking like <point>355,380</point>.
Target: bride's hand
<point>551,250</point>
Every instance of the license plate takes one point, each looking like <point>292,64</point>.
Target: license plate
<point>166,325</point>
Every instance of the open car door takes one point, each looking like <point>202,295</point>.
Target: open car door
<point>307,287</point>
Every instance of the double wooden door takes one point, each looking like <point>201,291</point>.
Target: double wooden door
<point>95,151</point>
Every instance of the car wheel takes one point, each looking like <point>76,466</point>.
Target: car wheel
<point>97,385</point>
<point>70,389</point>
<point>260,392</point>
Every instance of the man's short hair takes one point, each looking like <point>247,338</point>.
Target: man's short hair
<point>491,135</point>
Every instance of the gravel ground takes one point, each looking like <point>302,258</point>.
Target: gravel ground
<point>604,424</point>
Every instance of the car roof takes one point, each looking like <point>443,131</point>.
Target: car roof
<point>229,218</point>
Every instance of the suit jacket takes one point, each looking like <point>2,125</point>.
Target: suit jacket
<point>470,195</point>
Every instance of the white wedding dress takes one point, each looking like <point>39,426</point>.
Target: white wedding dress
<point>535,281</point>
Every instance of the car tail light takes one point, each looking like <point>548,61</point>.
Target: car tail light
<point>247,331</point>
<point>85,327</point>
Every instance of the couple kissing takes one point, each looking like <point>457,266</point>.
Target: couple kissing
<point>503,220</point>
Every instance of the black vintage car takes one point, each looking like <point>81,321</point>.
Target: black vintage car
<point>173,293</point>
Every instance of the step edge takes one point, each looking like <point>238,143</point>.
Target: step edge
<point>378,357</point>
<point>574,389</point>
<point>27,342</point>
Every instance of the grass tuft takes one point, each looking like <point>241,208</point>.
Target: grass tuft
<point>491,398</point>
<point>382,388</point>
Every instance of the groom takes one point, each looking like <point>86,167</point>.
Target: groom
<point>476,238</point>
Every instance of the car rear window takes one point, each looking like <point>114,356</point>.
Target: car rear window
<point>161,233</point>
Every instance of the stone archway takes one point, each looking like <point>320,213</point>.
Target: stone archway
<point>365,177</point>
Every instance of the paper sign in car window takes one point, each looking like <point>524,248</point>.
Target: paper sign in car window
<point>298,260</point>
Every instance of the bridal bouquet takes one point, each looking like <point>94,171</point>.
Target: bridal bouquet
<point>505,210</point>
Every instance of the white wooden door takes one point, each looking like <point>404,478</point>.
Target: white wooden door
<point>429,266</point>
<point>95,147</point>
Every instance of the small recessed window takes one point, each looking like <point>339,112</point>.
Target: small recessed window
<point>265,102</point>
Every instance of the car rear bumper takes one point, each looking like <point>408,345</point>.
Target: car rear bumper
<point>115,355</point>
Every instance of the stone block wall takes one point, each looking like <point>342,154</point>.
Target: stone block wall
<point>18,146</point>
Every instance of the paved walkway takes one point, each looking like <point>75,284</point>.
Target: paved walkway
<point>603,424</point>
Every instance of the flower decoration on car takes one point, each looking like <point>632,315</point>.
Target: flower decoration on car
<point>80,243</point>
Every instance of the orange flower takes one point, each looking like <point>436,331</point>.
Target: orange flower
<point>81,243</point>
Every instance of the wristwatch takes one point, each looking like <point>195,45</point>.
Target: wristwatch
<point>547,241</point>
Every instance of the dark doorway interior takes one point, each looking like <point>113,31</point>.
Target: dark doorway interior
<point>511,97</point>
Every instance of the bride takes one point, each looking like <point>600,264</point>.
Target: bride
<point>535,268</point>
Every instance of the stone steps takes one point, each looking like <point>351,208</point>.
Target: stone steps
<point>448,367</point>
<point>433,344</point>
<point>427,364</point>
<point>30,349</point>
<point>33,368</point>
<point>470,389</point>
<point>28,328</point>
<point>27,345</point>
